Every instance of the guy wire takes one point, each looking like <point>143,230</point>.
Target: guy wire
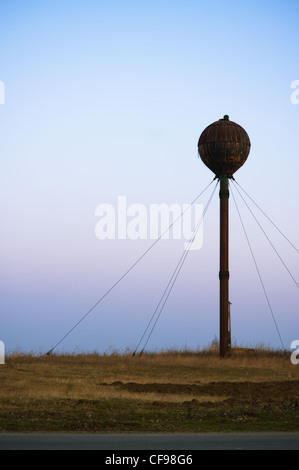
<point>173,278</point>
<point>126,272</point>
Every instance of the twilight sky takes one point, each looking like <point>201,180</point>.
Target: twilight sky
<point>104,101</point>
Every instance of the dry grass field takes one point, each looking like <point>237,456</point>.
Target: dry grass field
<point>171,391</point>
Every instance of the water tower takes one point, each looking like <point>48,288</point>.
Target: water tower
<point>224,147</point>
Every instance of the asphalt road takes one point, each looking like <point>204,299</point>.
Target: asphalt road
<point>76,441</point>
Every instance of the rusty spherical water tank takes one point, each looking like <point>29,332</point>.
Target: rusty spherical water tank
<point>224,147</point>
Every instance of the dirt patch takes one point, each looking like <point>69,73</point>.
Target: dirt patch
<point>157,393</point>
<point>239,392</point>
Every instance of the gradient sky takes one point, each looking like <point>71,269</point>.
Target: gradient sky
<point>108,98</point>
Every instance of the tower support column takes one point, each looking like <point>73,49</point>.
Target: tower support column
<point>225,341</point>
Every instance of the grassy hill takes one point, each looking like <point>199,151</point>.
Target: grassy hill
<point>168,391</point>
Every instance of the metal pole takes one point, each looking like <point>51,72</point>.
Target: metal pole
<point>224,270</point>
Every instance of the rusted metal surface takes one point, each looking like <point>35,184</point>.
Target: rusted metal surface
<point>224,268</point>
<point>224,147</point>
